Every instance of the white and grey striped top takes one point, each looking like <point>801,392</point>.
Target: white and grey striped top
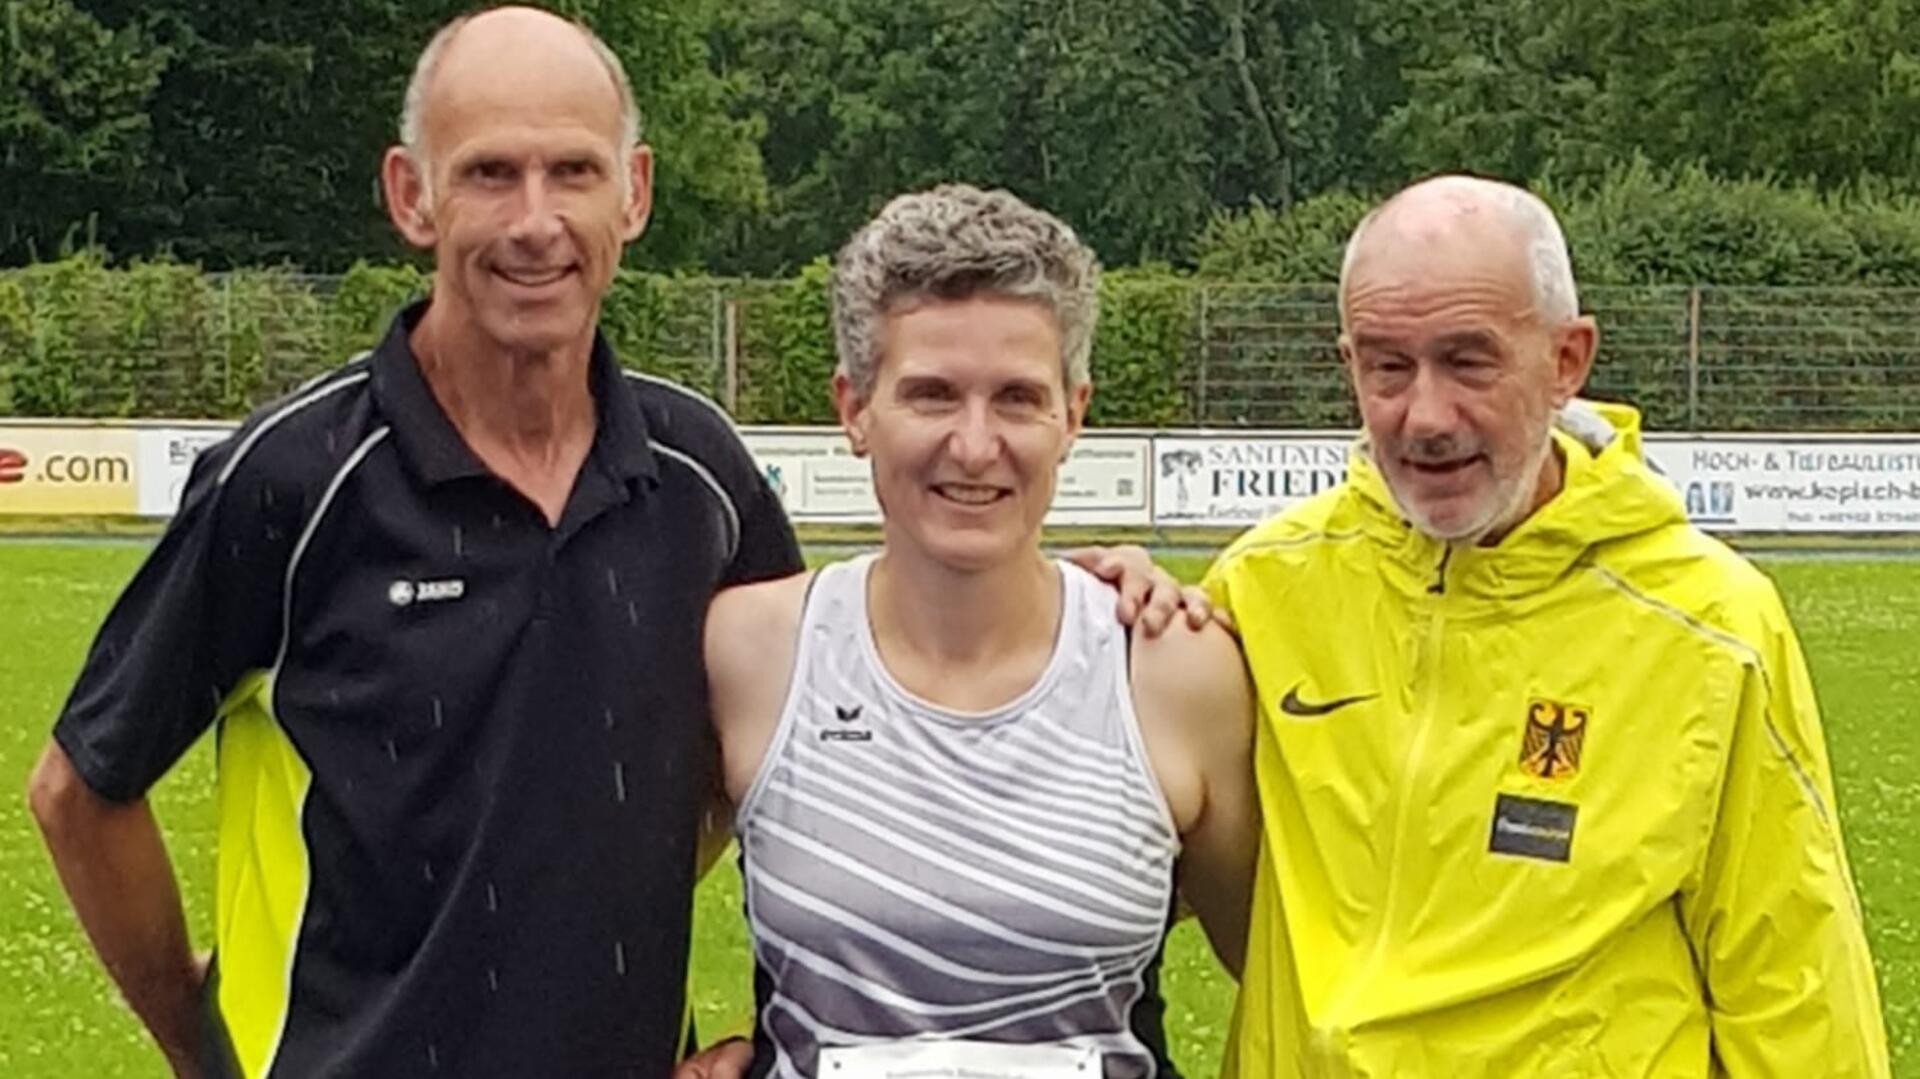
<point>912,872</point>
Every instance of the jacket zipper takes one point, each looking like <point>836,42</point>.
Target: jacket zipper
<point>1439,585</point>
<point>1426,674</point>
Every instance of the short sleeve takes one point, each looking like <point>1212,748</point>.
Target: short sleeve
<point>768,549</point>
<point>202,611</point>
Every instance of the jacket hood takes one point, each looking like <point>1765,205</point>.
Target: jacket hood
<point>1608,493</point>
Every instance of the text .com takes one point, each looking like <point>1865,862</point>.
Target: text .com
<point>64,468</point>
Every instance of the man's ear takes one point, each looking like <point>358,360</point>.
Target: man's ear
<point>639,207</point>
<point>852,408</point>
<point>1574,345</point>
<point>409,207</point>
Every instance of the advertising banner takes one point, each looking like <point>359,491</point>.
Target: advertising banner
<point>165,458</point>
<point>1775,484</point>
<point>819,480</point>
<point>66,469</point>
<point>1241,478</point>
<point>1729,483</point>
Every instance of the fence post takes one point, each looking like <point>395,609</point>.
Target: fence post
<point>1693,358</point>
<point>1200,375</point>
<point>226,343</point>
<point>716,330</point>
<point>730,392</point>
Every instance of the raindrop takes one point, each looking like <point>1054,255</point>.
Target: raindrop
<point>493,898</point>
<point>459,543</point>
<point>620,958</point>
<point>493,979</point>
<point>393,751</point>
<point>439,716</point>
<point>433,1056</point>
<point>619,782</point>
<point>613,582</point>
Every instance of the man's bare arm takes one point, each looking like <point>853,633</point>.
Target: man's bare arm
<point>113,864</point>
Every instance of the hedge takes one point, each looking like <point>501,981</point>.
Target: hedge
<point>78,338</point>
<point>1811,320</point>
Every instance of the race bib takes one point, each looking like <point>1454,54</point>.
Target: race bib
<point>959,1060</point>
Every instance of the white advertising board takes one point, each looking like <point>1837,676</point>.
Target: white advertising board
<point>1776,484</point>
<point>163,459</point>
<point>1728,482</point>
<point>1104,480</point>
<point>1220,479</point>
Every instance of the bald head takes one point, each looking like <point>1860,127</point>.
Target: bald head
<point>499,55</point>
<point>1454,217</point>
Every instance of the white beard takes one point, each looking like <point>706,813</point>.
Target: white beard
<point>1505,506</point>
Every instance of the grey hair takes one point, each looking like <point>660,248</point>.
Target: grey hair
<point>956,242</point>
<point>412,106</point>
<point>1555,297</point>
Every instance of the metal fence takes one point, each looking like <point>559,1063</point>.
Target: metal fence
<point>1705,358</point>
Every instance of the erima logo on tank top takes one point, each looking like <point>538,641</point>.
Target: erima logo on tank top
<point>849,715</point>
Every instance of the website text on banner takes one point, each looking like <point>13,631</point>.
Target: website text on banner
<point>67,469</point>
<point>1729,483</point>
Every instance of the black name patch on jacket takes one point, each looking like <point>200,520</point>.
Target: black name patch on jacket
<point>1532,828</point>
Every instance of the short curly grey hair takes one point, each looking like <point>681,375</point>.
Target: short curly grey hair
<point>956,242</point>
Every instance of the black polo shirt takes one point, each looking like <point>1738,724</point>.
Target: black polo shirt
<point>462,753</point>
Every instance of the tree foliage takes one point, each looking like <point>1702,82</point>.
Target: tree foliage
<point>250,134</point>
<point>237,135</point>
<point>75,124</point>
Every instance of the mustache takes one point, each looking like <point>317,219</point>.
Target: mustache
<point>1438,449</point>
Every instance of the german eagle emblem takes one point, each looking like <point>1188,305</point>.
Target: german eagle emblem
<point>1555,735</point>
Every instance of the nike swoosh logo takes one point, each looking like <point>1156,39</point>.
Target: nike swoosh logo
<point>1292,705</point>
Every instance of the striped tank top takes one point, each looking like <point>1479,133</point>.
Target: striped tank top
<point>916,873</point>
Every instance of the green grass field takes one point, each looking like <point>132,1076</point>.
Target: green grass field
<point>1859,621</point>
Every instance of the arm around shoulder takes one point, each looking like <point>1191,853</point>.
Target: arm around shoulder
<point>1191,691</point>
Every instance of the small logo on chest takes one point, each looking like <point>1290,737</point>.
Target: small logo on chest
<point>404,593</point>
<point>847,715</point>
<point>1556,738</point>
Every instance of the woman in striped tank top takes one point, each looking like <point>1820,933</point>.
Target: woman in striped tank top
<point>964,797</point>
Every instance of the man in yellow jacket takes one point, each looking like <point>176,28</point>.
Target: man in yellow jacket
<point>1544,783</point>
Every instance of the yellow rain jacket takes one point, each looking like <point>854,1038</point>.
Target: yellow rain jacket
<point>1558,807</point>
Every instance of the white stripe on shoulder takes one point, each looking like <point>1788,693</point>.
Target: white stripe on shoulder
<point>325,375</point>
<point>692,395</point>
<point>340,475</point>
<point>288,409</point>
<point>719,492</point>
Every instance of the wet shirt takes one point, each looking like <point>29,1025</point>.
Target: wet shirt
<point>462,753</point>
